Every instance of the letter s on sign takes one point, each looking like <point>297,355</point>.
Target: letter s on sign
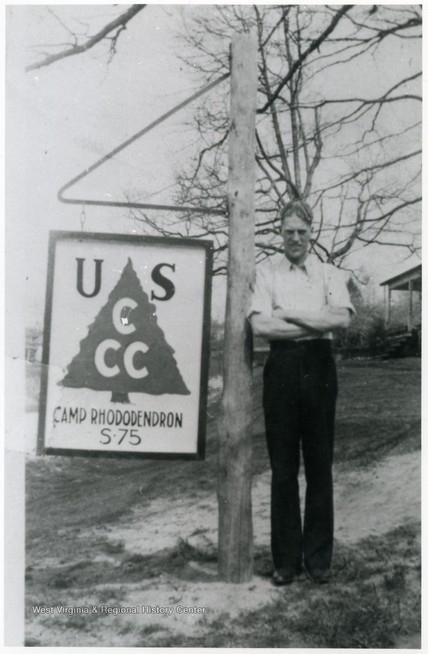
<point>103,369</point>
<point>163,281</point>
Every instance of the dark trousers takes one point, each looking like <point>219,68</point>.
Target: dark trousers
<point>299,399</point>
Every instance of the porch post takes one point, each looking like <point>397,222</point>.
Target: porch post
<point>410,313</point>
<point>387,294</point>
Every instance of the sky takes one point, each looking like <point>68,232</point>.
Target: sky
<point>62,118</point>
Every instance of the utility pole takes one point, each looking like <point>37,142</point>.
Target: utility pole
<point>235,424</point>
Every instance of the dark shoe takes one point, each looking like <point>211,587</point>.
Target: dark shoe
<point>283,577</point>
<point>318,575</point>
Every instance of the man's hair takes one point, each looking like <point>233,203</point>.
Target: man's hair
<point>297,208</point>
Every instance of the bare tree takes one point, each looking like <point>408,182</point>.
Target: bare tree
<point>353,155</point>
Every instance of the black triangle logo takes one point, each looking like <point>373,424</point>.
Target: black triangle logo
<point>150,367</point>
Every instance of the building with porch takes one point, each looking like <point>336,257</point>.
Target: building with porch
<point>406,338</point>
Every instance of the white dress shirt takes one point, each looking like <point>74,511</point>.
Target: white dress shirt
<point>311,286</point>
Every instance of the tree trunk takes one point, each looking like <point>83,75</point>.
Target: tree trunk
<point>235,423</point>
<point>119,396</point>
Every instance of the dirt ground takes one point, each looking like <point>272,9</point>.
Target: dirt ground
<point>369,501</point>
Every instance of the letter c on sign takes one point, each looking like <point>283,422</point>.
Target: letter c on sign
<point>103,369</point>
<point>128,360</point>
<point>122,325</point>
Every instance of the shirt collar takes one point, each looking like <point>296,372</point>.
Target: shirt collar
<point>307,266</point>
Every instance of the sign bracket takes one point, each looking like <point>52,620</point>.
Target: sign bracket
<point>125,144</point>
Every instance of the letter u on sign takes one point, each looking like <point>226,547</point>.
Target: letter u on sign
<point>97,286</point>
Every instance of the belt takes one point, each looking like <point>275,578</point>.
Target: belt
<point>310,344</point>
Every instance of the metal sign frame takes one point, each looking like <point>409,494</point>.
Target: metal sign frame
<point>206,246</point>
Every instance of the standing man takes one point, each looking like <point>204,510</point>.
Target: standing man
<point>296,303</point>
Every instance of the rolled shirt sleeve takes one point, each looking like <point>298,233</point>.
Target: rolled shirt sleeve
<point>262,295</point>
<point>337,291</point>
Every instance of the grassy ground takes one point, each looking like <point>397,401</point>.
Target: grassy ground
<point>373,602</point>
<point>368,606</point>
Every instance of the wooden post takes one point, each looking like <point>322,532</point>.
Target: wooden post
<point>387,306</point>
<point>235,537</point>
<point>410,314</point>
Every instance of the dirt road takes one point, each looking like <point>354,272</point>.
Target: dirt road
<point>148,576</point>
<point>367,502</point>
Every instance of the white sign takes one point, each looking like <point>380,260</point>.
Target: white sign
<point>125,346</point>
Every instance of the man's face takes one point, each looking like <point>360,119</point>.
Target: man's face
<point>296,234</point>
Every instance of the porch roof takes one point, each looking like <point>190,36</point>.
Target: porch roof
<point>400,282</point>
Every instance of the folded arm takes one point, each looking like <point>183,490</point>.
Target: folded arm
<point>275,328</point>
<point>325,319</point>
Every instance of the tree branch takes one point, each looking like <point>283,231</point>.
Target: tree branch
<point>297,64</point>
<point>119,22</point>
